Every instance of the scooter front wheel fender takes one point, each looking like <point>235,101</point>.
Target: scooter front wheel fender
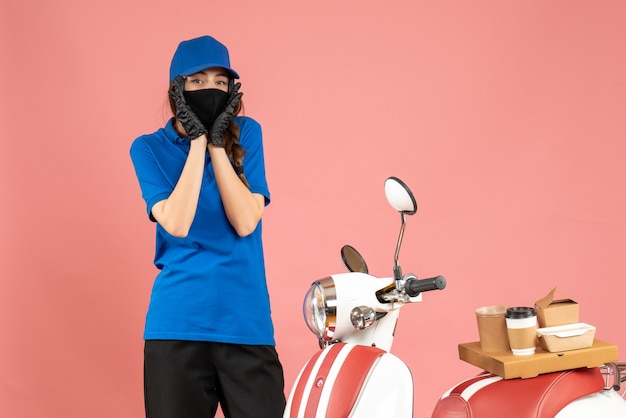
<point>348,380</point>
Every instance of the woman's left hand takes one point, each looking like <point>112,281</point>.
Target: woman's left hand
<point>216,135</point>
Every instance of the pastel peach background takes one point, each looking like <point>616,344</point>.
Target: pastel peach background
<point>506,118</point>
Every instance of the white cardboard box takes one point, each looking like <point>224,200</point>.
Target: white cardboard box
<point>567,337</point>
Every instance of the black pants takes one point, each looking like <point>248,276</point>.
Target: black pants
<point>187,379</point>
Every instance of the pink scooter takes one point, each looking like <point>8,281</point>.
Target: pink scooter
<point>354,374</point>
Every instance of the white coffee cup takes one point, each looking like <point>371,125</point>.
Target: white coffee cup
<point>521,324</point>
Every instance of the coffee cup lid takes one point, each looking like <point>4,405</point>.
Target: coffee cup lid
<point>520,312</point>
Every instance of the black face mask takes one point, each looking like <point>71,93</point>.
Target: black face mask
<point>207,104</point>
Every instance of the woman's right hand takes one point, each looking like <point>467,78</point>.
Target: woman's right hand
<point>192,125</point>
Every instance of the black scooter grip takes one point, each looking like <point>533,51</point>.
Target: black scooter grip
<point>413,287</point>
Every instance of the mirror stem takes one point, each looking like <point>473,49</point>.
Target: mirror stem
<point>397,271</point>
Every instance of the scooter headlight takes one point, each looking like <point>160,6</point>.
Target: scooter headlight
<point>320,309</point>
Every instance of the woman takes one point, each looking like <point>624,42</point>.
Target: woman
<point>209,336</point>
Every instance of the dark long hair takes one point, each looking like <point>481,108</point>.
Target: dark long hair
<point>235,152</point>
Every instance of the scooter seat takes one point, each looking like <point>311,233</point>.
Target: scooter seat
<point>490,396</point>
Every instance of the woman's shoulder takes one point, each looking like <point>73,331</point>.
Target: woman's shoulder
<point>247,122</point>
<point>160,136</point>
<point>250,132</point>
<point>248,127</point>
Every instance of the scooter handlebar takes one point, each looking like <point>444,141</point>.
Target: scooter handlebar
<point>414,286</point>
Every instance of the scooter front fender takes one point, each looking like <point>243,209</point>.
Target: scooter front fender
<point>349,380</point>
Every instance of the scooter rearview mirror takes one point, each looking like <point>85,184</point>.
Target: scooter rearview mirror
<point>401,199</point>
<point>400,196</point>
<point>353,260</point>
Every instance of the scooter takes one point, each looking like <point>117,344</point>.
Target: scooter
<point>354,374</point>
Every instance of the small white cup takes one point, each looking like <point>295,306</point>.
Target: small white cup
<point>521,324</point>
